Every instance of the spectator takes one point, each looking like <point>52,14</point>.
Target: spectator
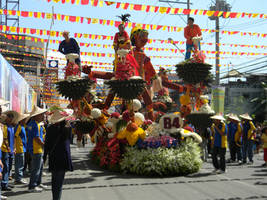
<point>248,138</point>
<point>8,148</point>
<point>21,145</point>
<point>258,138</point>
<point>27,156</point>
<point>35,147</point>
<point>190,31</point>
<point>219,130</point>
<point>2,119</point>
<point>234,136</point>
<point>57,146</point>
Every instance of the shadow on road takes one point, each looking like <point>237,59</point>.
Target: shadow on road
<point>9,194</point>
<point>204,174</point>
<point>157,183</point>
<point>264,171</point>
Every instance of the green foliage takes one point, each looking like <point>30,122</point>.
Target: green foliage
<point>163,161</point>
<point>120,125</point>
<point>239,106</point>
<point>54,108</point>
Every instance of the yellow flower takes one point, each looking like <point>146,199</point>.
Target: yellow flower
<point>121,134</point>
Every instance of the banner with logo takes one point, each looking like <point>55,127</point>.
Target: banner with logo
<point>217,101</point>
<point>15,89</point>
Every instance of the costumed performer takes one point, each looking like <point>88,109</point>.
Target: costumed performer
<point>69,45</point>
<point>190,31</point>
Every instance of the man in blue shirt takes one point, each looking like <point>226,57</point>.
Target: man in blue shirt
<point>234,137</point>
<point>35,147</point>
<point>69,45</point>
<point>248,138</point>
<point>219,139</point>
<point>21,144</point>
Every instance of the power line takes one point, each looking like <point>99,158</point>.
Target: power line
<point>251,61</point>
<point>255,69</point>
<point>247,66</point>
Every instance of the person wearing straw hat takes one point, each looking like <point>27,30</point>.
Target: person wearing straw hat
<point>21,145</point>
<point>234,136</point>
<point>248,137</point>
<point>219,130</point>
<point>57,147</point>
<point>8,147</point>
<point>35,147</point>
<point>2,120</point>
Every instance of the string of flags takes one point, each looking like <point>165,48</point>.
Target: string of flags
<point>26,30</point>
<point>160,9</point>
<point>88,20</point>
<point>96,37</point>
<point>98,45</point>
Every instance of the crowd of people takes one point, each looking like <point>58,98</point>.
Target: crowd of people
<point>29,141</point>
<point>242,138</point>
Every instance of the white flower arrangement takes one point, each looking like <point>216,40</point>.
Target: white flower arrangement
<point>162,161</point>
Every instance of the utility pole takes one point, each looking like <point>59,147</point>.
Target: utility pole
<point>217,48</point>
<point>220,5</point>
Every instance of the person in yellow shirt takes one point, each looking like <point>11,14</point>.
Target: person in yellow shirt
<point>35,147</point>
<point>2,120</point>
<point>21,145</point>
<point>219,140</point>
<point>248,137</point>
<point>264,142</point>
<point>234,137</point>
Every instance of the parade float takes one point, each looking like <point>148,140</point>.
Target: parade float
<point>138,140</point>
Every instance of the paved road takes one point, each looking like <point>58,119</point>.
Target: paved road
<point>90,182</point>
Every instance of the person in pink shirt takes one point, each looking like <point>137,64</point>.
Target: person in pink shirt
<point>190,31</point>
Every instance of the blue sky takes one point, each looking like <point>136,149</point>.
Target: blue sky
<point>240,24</point>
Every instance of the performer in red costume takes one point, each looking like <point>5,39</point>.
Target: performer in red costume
<point>121,39</point>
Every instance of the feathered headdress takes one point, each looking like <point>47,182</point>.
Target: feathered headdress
<point>124,18</point>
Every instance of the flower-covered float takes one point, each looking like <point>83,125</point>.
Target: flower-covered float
<point>133,141</point>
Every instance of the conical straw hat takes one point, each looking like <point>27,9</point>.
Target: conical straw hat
<point>245,116</point>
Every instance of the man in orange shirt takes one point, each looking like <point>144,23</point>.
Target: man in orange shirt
<point>190,31</point>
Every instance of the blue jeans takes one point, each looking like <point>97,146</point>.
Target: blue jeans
<point>11,158</point>
<point>19,165</point>
<point>57,182</point>
<point>247,150</point>
<point>189,48</point>
<point>221,152</point>
<point>36,170</point>
<point>5,172</point>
